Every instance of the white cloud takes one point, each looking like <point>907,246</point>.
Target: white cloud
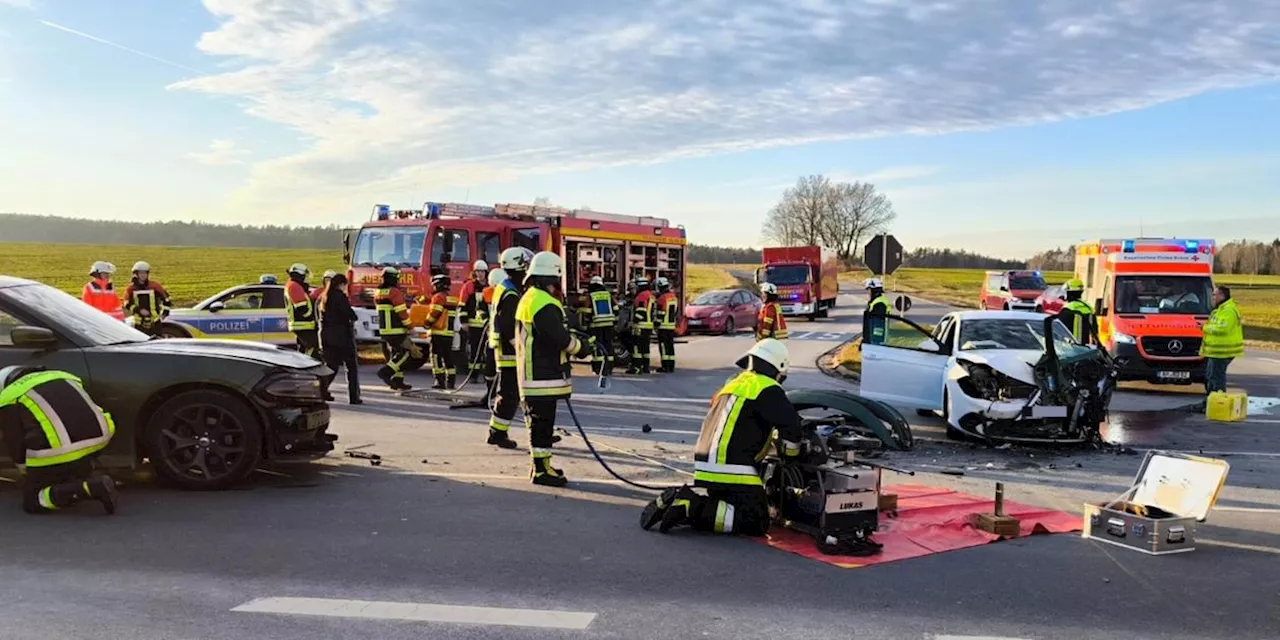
<point>220,153</point>
<point>395,96</point>
<point>21,4</point>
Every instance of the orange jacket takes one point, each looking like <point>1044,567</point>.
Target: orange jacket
<point>440,314</point>
<point>770,323</point>
<point>101,295</point>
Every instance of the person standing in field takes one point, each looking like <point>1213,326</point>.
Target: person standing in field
<point>146,300</point>
<point>100,292</point>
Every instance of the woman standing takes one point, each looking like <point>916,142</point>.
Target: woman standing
<point>337,336</point>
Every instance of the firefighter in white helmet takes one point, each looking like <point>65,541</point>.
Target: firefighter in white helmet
<point>100,292</point>
<point>324,285</point>
<point>496,277</point>
<point>874,321</point>
<point>472,315</point>
<point>502,335</point>
<point>544,345</point>
<point>769,322</point>
<point>146,300</point>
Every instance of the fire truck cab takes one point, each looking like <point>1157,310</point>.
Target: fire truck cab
<point>450,237</point>
<point>1151,297</point>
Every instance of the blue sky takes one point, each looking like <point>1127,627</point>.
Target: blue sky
<point>999,126</point>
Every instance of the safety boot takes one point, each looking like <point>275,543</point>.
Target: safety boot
<point>542,473</point>
<point>103,489</point>
<point>398,384</point>
<point>679,512</point>
<point>501,438</point>
<point>451,381</point>
<point>657,508</point>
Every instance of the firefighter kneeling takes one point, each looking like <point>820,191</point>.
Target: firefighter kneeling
<point>61,428</point>
<point>736,436</point>
<point>543,346</point>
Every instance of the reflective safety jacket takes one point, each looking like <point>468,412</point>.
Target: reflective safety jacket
<point>738,430</point>
<point>668,311</point>
<point>302,308</point>
<point>101,295</point>
<point>770,323</point>
<point>1223,333</point>
<point>486,303</point>
<point>543,346</point>
<point>60,423</point>
<point>149,297</point>
<point>440,315</point>
<point>393,312</point>
<point>502,331</point>
<point>601,308</point>
<point>874,322</point>
<point>1080,319</point>
<point>642,311</point>
<point>472,298</point>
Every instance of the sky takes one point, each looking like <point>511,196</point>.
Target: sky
<point>998,126</point>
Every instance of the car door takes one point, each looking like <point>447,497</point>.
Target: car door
<point>738,307</point>
<point>242,314</point>
<point>273,323</point>
<point>62,356</point>
<point>907,369</point>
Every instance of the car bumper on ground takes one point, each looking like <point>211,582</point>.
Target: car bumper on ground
<point>1136,368</point>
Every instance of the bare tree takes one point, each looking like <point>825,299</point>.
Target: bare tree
<point>859,211</point>
<point>838,215</point>
<point>799,217</point>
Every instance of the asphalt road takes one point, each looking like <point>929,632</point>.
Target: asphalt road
<point>447,524</point>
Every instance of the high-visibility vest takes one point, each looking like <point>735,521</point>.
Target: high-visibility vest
<point>72,426</point>
<point>1223,333</point>
<point>668,310</point>
<point>602,310</point>
<point>1079,319</point>
<point>541,372</point>
<point>444,308</point>
<point>716,458</point>
<point>101,295</point>
<point>302,312</point>
<point>504,355</point>
<point>391,313</point>
<point>770,323</point>
<point>643,310</point>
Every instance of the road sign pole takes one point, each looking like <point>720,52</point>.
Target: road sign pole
<point>884,256</point>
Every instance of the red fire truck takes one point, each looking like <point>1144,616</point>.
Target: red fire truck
<point>450,237</point>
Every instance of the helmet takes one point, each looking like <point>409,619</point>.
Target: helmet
<point>12,373</point>
<point>102,267</point>
<point>496,277</point>
<point>440,279</point>
<point>642,282</point>
<point>546,264</point>
<point>267,278</point>
<point>299,269</point>
<point>391,271</point>
<point>768,350</point>
<point>597,280</point>
<point>769,288</point>
<point>873,283</point>
<point>330,273</point>
<point>480,265</point>
<point>1075,284</point>
<point>516,259</point>
<point>141,266</point>
<point>662,283</point>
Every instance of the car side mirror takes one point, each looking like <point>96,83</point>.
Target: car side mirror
<point>931,346</point>
<point>1098,306</point>
<point>216,307</point>
<point>32,337</point>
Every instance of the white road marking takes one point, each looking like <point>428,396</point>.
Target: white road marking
<point>1237,545</point>
<point>376,610</point>
<point>1198,452</point>
<point>1271,360</point>
<point>608,396</point>
<point>975,638</point>
<point>1247,509</point>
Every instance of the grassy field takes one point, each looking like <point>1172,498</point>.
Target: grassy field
<point>192,274</point>
<point>1257,296</point>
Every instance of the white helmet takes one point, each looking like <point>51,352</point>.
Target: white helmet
<point>330,273</point>
<point>873,283</point>
<point>597,280</point>
<point>141,266</point>
<point>768,350</point>
<point>516,259</point>
<point>545,263</point>
<point>480,265</point>
<point>768,287</point>
<point>496,277</point>
<point>662,282</point>
<point>300,269</point>
<point>102,267</point>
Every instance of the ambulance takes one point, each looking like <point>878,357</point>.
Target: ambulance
<point>1151,296</point>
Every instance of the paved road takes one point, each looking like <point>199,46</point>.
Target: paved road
<point>448,524</point>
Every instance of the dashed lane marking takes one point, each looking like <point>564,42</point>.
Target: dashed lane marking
<point>975,638</point>
<point>418,612</point>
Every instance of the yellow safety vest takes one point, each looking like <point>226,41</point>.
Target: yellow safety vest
<point>711,454</point>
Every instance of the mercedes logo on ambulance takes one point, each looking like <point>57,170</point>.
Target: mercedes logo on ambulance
<point>1175,346</point>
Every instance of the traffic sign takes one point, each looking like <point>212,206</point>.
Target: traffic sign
<point>883,254</point>
<point>902,304</point>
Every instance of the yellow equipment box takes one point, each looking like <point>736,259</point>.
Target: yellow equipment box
<point>1227,406</point>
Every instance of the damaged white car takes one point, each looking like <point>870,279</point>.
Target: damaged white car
<point>1009,376</point>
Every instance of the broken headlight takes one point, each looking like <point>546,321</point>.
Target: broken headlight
<point>988,384</point>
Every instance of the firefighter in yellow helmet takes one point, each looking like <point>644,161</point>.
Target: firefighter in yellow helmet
<point>1077,315</point>
<point>544,344</point>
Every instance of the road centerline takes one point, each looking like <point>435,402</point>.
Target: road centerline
<point>418,612</point>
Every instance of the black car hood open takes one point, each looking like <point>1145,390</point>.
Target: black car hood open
<point>240,350</point>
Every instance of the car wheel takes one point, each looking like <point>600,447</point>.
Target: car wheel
<point>1006,306</point>
<point>1039,309</point>
<point>729,329</point>
<point>203,440</point>
<point>169,332</point>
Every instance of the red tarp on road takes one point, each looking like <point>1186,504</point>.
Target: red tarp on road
<point>930,520</point>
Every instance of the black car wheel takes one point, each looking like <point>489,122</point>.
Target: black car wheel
<point>203,440</point>
<point>168,332</point>
<point>729,329</point>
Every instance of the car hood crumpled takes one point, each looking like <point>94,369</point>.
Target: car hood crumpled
<point>1018,364</point>
<point>239,349</point>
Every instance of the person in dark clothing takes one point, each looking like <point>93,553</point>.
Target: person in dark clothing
<point>602,321</point>
<point>736,434</point>
<point>338,336</point>
<point>1077,315</point>
<point>502,340</point>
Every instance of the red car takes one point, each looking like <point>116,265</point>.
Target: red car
<point>723,311</point>
<point>1052,300</point>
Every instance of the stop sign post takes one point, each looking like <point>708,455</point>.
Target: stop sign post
<point>883,254</point>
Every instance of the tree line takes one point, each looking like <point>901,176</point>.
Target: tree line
<point>931,258</point>
<point>1246,257</point>
<point>54,229</point>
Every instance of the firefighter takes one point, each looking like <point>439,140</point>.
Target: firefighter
<point>770,323</point>
<point>496,277</point>
<point>54,430</point>
<point>324,285</point>
<point>668,310</point>
<point>874,323</point>
<point>100,292</point>
<point>393,328</point>
<point>439,322</point>
<point>146,300</point>
<point>302,311</point>
<point>736,435</point>
<point>601,325</point>
<point>1078,315</point>
<point>642,312</point>
<point>544,344</point>
<point>471,316</point>
<point>502,336</point>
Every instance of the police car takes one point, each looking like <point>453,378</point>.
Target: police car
<point>246,312</point>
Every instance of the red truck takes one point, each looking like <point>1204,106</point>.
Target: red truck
<point>806,278</point>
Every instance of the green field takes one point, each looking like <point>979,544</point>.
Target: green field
<point>192,274</point>
<point>1257,296</point>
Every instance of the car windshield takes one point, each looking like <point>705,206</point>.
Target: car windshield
<point>394,246</point>
<point>1027,282</point>
<point>1164,294</point>
<point>72,315</point>
<point>785,275</point>
<point>713,298</point>
<point>1006,333</point>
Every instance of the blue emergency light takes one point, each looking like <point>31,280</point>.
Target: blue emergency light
<point>1191,246</point>
<point>1127,247</point>
<point>433,210</point>
<point>1036,274</point>
<point>267,278</point>
<point>384,211</point>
